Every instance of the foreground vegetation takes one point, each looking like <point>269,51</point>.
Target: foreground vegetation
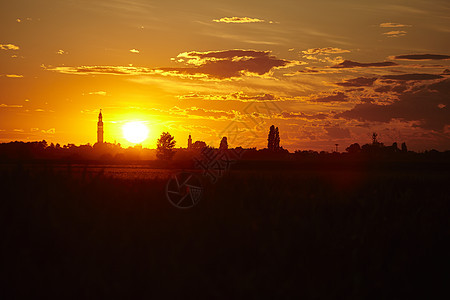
<point>314,232</point>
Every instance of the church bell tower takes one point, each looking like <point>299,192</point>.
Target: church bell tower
<point>100,128</point>
<point>189,142</point>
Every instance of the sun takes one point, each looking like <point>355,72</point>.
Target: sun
<point>135,132</point>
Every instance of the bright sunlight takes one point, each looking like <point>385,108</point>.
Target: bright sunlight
<point>135,132</point>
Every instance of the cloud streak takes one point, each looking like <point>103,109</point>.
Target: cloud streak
<point>417,76</point>
<point>395,33</point>
<point>393,25</point>
<point>421,57</point>
<point>10,105</point>
<point>327,50</point>
<point>238,20</point>
<point>354,64</point>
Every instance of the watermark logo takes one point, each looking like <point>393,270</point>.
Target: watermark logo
<point>184,190</point>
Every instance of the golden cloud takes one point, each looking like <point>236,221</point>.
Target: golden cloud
<point>393,25</point>
<point>9,47</point>
<point>323,51</point>
<point>111,70</point>
<point>395,33</point>
<point>238,20</point>
<point>101,93</point>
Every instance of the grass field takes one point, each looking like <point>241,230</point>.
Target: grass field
<point>283,234</point>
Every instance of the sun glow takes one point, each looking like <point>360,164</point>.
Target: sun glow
<point>135,132</point>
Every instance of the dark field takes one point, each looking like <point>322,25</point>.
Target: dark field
<point>301,232</point>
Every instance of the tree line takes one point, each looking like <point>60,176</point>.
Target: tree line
<point>166,150</point>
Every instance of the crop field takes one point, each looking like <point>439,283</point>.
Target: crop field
<point>313,233</point>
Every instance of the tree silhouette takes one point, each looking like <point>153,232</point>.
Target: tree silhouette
<point>271,138</point>
<point>164,146</point>
<point>223,144</point>
<point>198,145</point>
<point>276,143</point>
<point>353,148</point>
<point>404,148</point>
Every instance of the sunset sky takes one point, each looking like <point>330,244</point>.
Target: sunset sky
<point>324,72</point>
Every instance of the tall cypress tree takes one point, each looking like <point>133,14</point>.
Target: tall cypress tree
<point>271,138</point>
<point>276,143</point>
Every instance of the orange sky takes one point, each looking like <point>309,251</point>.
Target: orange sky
<point>324,72</point>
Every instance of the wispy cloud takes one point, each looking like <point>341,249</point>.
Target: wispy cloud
<point>111,70</point>
<point>393,25</point>
<point>323,54</point>
<point>202,113</point>
<point>238,20</point>
<point>327,50</point>
<point>238,96</point>
<point>11,105</point>
<point>19,20</point>
<point>395,33</point>
<point>417,76</point>
<point>354,64</point>
<point>14,76</point>
<point>358,82</point>
<point>100,93</point>
<point>9,47</point>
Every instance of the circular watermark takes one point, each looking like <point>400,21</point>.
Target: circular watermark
<point>184,190</point>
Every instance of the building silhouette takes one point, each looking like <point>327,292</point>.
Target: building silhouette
<point>189,142</point>
<point>100,128</point>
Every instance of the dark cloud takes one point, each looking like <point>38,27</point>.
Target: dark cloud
<point>228,63</point>
<point>358,82</point>
<point>360,89</point>
<point>337,132</point>
<point>441,87</point>
<point>383,89</point>
<point>354,64</point>
<point>428,105</point>
<point>417,76</point>
<point>422,57</point>
<point>336,97</point>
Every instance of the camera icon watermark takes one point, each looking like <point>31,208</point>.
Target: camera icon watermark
<point>184,190</point>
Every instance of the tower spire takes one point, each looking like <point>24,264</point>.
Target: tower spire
<point>100,128</point>
<point>189,142</point>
